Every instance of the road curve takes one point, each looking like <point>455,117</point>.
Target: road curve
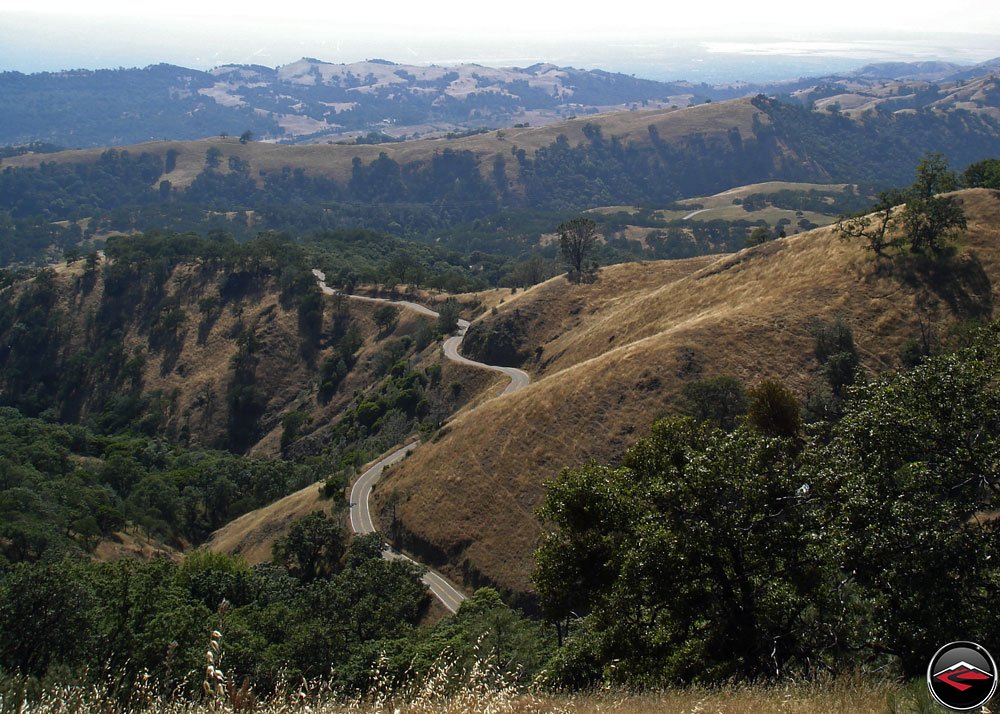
<point>361,517</point>
<point>691,215</point>
<point>519,379</point>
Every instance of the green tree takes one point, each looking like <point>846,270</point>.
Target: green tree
<point>386,317</point>
<point>213,157</point>
<point>909,476</point>
<point>773,410</point>
<point>933,177</point>
<point>313,547</point>
<point>291,425</point>
<point>448,313</point>
<point>929,219</point>
<point>982,174</point>
<point>835,350</point>
<point>44,618</point>
<point>719,400</point>
<point>577,241</point>
<point>400,267</point>
<point>694,560</point>
<point>758,235</point>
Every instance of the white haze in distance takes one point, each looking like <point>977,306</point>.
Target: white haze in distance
<point>61,34</point>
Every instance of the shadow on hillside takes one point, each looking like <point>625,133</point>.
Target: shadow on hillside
<point>958,280</point>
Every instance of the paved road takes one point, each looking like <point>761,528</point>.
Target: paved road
<point>695,213</point>
<point>361,517</point>
<point>362,523</point>
<point>519,379</point>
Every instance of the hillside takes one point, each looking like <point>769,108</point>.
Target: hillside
<point>309,100</point>
<point>489,193</point>
<point>609,357</point>
<point>334,161</point>
<point>215,344</point>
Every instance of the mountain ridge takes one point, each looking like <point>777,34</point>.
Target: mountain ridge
<point>377,100</point>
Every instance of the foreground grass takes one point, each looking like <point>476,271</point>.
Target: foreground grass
<point>842,696</point>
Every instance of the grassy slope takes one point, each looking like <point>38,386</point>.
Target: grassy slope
<point>616,354</point>
<point>253,534</point>
<point>334,160</point>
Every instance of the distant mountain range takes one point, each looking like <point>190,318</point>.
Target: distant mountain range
<point>310,100</point>
<point>376,101</point>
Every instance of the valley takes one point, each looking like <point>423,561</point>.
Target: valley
<point>392,377</point>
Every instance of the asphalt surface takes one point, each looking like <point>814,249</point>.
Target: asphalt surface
<point>361,517</point>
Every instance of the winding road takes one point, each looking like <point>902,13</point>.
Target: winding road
<point>361,517</point>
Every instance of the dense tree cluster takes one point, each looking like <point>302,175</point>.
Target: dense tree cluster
<point>756,553</point>
<point>65,488</point>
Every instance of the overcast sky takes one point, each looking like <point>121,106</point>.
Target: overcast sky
<point>61,34</point>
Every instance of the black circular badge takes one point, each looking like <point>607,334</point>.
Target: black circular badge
<point>962,676</point>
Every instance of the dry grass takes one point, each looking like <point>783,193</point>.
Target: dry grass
<point>615,356</point>
<point>334,161</point>
<point>484,690</point>
<point>252,535</point>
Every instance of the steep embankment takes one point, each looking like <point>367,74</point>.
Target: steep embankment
<point>614,355</point>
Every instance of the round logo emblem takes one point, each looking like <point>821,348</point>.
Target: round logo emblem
<point>962,676</point>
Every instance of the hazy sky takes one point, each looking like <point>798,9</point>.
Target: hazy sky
<point>60,34</point>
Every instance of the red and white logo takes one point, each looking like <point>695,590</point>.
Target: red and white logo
<point>962,676</point>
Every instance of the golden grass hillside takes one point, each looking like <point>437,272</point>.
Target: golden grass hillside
<point>253,534</point>
<point>615,355</point>
<point>334,160</point>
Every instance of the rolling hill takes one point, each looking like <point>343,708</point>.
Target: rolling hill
<point>423,187</point>
<point>607,358</point>
<point>310,100</point>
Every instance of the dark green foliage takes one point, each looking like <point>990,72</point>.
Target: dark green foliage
<point>291,424</point>
<point>111,624</point>
<point>448,313</point>
<point>718,400</point>
<point>707,556</point>
<point>43,619</point>
<point>313,547</point>
<point>484,627</point>
<point>213,157</point>
<point>928,219</point>
<point>386,317</point>
<point>835,350</point>
<point>982,174</point>
<point>692,562</point>
<point>906,472</point>
<point>773,410</point>
<point>759,235</point>
<point>818,201</point>
<point>246,401</point>
<point>337,365</point>
<point>497,341</point>
<point>62,488</point>
<point>929,222</point>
